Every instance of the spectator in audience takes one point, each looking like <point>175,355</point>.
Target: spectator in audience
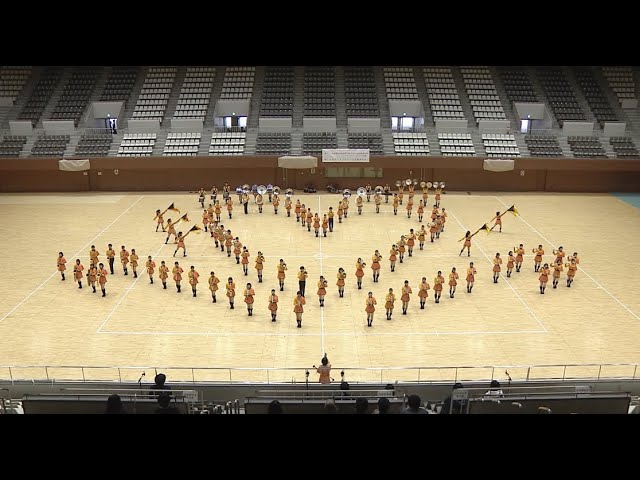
<point>324,371</point>
<point>389,391</point>
<point>383,406</point>
<point>159,384</point>
<point>494,391</point>
<point>275,407</point>
<point>164,404</point>
<point>362,405</point>
<point>114,405</point>
<point>456,406</point>
<point>330,406</point>
<point>344,386</point>
<point>414,406</point>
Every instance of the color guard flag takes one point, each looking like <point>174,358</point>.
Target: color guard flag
<point>173,208</point>
<point>196,229</point>
<point>513,210</point>
<point>184,218</point>
<point>486,227</point>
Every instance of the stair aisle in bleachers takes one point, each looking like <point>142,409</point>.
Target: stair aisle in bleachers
<point>341,107</point>
<point>569,73</point>
<point>133,99</point>
<point>612,98</point>
<point>55,96</point>
<point>383,101</point>
<point>298,97</point>
<point>464,98</point>
<point>504,99</point>
<point>215,96</point>
<point>542,97</point>
<point>256,99</point>
<point>95,95</point>
<point>174,96</point>
<point>423,96</point>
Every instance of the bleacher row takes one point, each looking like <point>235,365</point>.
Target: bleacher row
<point>154,96</point>
<point>12,81</point>
<point>192,104</point>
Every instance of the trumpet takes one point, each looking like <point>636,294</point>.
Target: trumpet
<point>262,189</point>
<point>361,192</point>
<point>288,192</point>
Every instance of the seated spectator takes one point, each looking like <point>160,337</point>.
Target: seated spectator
<point>449,404</point>
<point>344,386</point>
<point>362,405</point>
<point>114,405</point>
<point>494,391</point>
<point>164,404</point>
<point>159,384</point>
<point>330,406</point>
<point>275,407</point>
<point>383,406</point>
<point>389,391</point>
<point>414,406</point>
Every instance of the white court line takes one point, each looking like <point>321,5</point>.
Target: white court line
<point>125,294</point>
<point>319,258</point>
<point>503,277</point>
<point>310,257</point>
<point>73,256</point>
<point>293,334</point>
<point>581,269</point>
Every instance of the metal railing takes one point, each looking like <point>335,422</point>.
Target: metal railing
<point>224,375</point>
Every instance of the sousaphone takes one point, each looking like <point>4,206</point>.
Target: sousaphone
<point>262,189</point>
<point>398,183</point>
<point>423,185</point>
<point>246,188</point>
<point>346,193</point>
<point>288,192</point>
<point>276,190</point>
<point>361,191</point>
<point>379,190</point>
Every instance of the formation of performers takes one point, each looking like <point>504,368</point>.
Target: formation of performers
<point>227,242</point>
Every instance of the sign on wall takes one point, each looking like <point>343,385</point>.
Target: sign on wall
<point>345,155</point>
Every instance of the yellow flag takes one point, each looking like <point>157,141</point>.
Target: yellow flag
<point>487,228</point>
<point>196,229</point>
<point>513,210</point>
<point>173,208</point>
<point>184,218</point>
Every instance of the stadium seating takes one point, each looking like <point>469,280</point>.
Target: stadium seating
<point>273,144</point>
<point>75,96</point>
<point>13,80</point>
<point>586,147</point>
<point>372,141</point>
<point>596,99</point>
<point>227,143</point>
<point>361,96</point>
<point>195,93</point>
<point>277,92</point>
<point>500,145</point>
<point>40,95</point>
<point>443,94</point>
<point>319,92</point>
<point>182,144</point>
<point>410,143</point>
<point>624,147</point>
<point>313,143</point>
<point>482,93</point>
<point>153,99</point>
<point>238,83</point>
<point>400,83</point>
<point>50,146</point>
<point>12,145</point>
<point>456,145</point>
<point>119,84</point>
<point>517,84</point>
<point>137,145</point>
<point>94,145</point>
<point>562,99</point>
<point>621,82</point>
<point>543,146</point>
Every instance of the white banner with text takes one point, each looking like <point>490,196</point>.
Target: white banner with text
<point>345,155</point>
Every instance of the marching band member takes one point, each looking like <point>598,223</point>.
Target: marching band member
<point>303,214</point>
<point>171,230</point>
<point>205,219</point>
<point>370,307</point>
<point>287,206</point>
<point>433,229</point>
<point>245,261</point>
<point>302,279</point>
<point>213,285</point>
<point>124,259</point>
<point>259,266</point>
<point>434,213</point>
<point>214,194</point>
<point>453,282</point>
<point>497,261</point>
<point>510,262</point>
<point>102,279</point>
<point>322,290</point>
<point>341,281</point>
<point>309,219</point>
<point>437,286</point>
<point>330,215</point>
<point>378,200</point>
<point>244,199</point>
<point>181,244</point>
<point>93,255</point>
<point>298,209</point>
<point>368,190</point>
<point>249,293</point>
<point>560,254</point>
<point>544,277</point>
<point>177,274</point>
<point>201,196</point>
<point>421,236</point>
<point>298,307</point>
<point>193,279</point>
<point>519,256</point>
<point>210,215</point>
<point>401,248</point>
<point>386,192</point>
<point>273,305</point>
<point>443,217</point>
<point>359,272</point>
<point>217,208</point>
<point>425,195</point>
<point>411,189</point>
<point>231,291</point>
<point>325,224</point>
<point>438,225</point>
<point>571,272</point>
<point>420,210</point>
<point>423,292</point>
<point>375,265</point>
<point>276,203</point>
<point>134,262</point>
<point>393,255</point>
<point>229,206</point>
<point>400,193</point>
<point>409,207</point>
<point>345,206</point>
<point>575,257</point>
<point>557,269</point>
<point>471,276</point>
<point>61,264</point>
<point>150,265</point>
<point>411,241</point>
<point>226,189</point>
<point>237,249</point>
<point>406,292</point>
<point>538,258</point>
<point>438,192</point>
<point>316,224</point>
<point>467,243</point>
<point>389,300</point>
<point>222,236</point>
<point>160,219</point>
<point>92,276</point>
<point>77,272</point>
<point>163,273</point>
<point>282,267</point>
<point>359,204</point>
<point>498,219</point>
<point>228,241</point>
<point>396,201</point>
<point>340,212</point>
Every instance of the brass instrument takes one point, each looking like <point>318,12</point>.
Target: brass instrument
<point>441,185</point>
<point>429,184</point>
<point>415,182</point>
<point>262,189</point>
<point>361,192</point>
<point>408,182</point>
<point>246,188</point>
<point>276,190</point>
<point>435,184</point>
<point>346,193</point>
<point>423,185</point>
<point>379,189</point>
<point>288,193</point>
<point>398,183</point>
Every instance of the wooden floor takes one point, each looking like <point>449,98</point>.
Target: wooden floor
<point>45,321</point>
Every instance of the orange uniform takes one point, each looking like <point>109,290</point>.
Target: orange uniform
<point>177,273</point>
<point>213,283</point>
<point>453,279</point>
<point>389,299</point>
<point>437,283</point>
<point>370,305</point>
<point>77,272</point>
<point>102,276</point>
<point>471,271</point>
<point>406,291</point>
<point>150,265</point>
<point>61,264</point>
<point>248,295</point>
<point>497,261</point>
<point>193,277</point>
<point>164,272</point>
<point>341,277</point>
<point>423,290</point>
<point>231,289</point>
<point>298,304</point>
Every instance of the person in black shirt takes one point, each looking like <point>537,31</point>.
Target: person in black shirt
<point>159,384</point>
<point>164,404</point>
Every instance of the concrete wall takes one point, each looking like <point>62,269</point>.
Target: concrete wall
<point>275,124</point>
<point>578,128</point>
<point>367,125</point>
<point>319,124</point>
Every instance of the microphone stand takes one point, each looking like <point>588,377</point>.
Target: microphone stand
<point>140,381</point>
<point>509,382</point>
